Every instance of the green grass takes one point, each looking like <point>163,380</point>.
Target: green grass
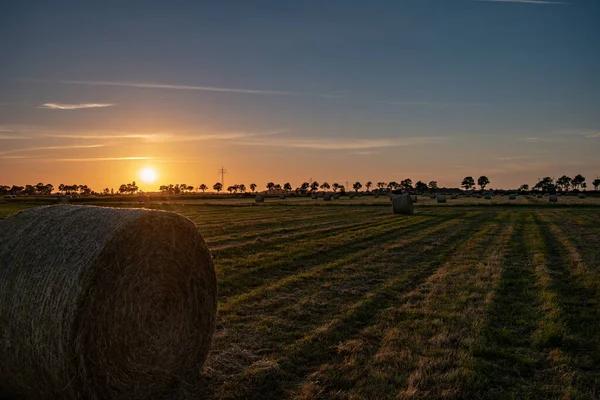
<point>345,300</point>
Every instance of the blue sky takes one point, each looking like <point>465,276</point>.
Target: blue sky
<point>333,90</point>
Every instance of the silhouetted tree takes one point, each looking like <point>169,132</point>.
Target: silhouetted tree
<point>253,187</point>
<point>369,185</point>
<point>218,187</point>
<point>335,187</point>
<point>596,183</point>
<point>357,186</point>
<point>468,183</point>
<point>524,187</point>
<point>304,187</point>
<point>482,181</point>
<point>433,186</point>
<point>314,186</point>
<point>242,188</point>
<point>406,184</point>
<point>270,186</point>
<point>325,186</point>
<point>421,187</point>
<point>563,183</point>
<point>203,187</point>
<point>578,181</point>
<point>381,185</point>
<point>287,187</point>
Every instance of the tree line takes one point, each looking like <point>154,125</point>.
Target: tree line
<point>546,184</point>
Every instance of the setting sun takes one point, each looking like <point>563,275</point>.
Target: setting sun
<point>148,175</point>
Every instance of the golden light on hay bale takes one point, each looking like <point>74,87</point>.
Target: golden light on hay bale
<point>259,199</point>
<point>441,198</point>
<point>102,303</point>
<point>402,204</point>
<point>553,198</point>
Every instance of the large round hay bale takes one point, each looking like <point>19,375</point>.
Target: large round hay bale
<point>441,198</point>
<point>454,196</point>
<point>581,196</point>
<point>376,196</point>
<point>336,196</point>
<point>259,199</point>
<point>402,204</point>
<point>326,197</point>
<point>539,196</point>
<point>282,197</point>
<point>553,198</point>
<point>488,196</point>
<point>413,198</point>
<point>512,196</point>
<point>102,303</point>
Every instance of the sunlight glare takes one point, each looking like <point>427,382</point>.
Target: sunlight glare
<point>148,175</point>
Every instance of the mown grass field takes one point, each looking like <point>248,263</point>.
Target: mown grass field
<point>354,302</point>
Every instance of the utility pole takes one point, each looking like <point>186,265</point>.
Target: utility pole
<point>222,172</point>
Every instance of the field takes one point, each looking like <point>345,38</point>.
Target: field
<point>346,300</point>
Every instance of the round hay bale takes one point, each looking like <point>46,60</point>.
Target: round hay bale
<point>376,196</point>
<point>441,199</point>
<point>454,196</point>
<point>259,199</point>
<point>539,196</point>
<point>512,196</point>
<point>433,196</point>
<point>553,198</point>
<point>326,197</point>
<point>314,197</point>
<point>282,197</point>
<point>336,196</point>
<point>103,303</point>
<point>478,195</point>
<point>413,198</point>
<point>402,204</point>
<point>581,196</point>
<point>488,196</point>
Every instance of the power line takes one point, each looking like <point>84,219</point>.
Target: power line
<point>222,172</point>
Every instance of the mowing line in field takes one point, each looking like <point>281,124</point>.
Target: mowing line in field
<point>278,261</point>
<point>314,347</point>
<point>268,237</point>
<point>576,288</point>
<point>403,346</point>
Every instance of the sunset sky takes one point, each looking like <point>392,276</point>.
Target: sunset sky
<point>92,93</point>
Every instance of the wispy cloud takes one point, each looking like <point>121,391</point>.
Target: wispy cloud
<point>91,146</point>
<point>203,88</point>
<point>512,158</point>
<point>59,106</point>
<point>435,104</point>
<point>92,159</point>
<point>212,136</point>
<point>344,144</point>
<point>363,153</point>
<point>525,1</point>
<point>536,139</point>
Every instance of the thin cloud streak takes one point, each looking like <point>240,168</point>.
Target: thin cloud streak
<point>59,106</point>
<point>201,88</point>
<point>346,144</point>
<point>434,103</point>
<point>102,159</point>
<point>52,148</point>
<point>525,1</point>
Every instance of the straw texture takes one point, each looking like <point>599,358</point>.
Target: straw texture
<point>102,303</point>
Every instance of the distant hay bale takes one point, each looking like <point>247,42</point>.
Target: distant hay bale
<point>282,197</point>
<point>539,196</point>
<point>581,196</point>
<point>441,199</point>
<point>413,198</point>
<point>478,195</point>
<point>326,197</point>
<point>314,197</point>
<point>402,204</point>
<point>352,195</point>
<point>336,196</point>
<point>512,196</point>
<point>488,196</point>
<point>433,196</point>
<point>454,196</point>
<point>102,303</point>
<point>259,199</point>
<point>376,196</point>
<point>553,198</point>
